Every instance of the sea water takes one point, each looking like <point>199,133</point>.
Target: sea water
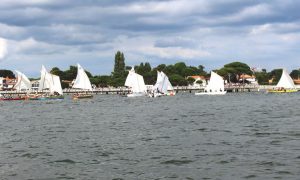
<point>236,136</point>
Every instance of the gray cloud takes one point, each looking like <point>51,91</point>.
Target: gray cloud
<point>199,31</point>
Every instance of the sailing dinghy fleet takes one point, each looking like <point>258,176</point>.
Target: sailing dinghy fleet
<point>137,86</point>
<point>50,86</point>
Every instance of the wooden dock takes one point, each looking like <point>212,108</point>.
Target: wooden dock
<point>231,88</point>
<point>122,90</point>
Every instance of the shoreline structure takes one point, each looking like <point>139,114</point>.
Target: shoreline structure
<point>187,89</point>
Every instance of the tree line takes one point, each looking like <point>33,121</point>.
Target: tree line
<point>177,73</point>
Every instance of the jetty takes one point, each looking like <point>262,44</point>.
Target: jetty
<point>231,88</point>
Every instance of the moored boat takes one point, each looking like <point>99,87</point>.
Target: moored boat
<point>82,82</point>
<point>285,84</point>
<point>162,87</point>
<point>52,84</point>
<point>11,98</point>
<point>136,84</point>
<point>82,96</point>
<point>215,86</point>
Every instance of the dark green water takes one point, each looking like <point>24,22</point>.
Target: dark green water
<point>237,136</point>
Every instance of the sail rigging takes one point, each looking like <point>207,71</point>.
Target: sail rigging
<point>82,81</point>
<point>135,82</point>
<point>286,81</point>
<point>22,82</point>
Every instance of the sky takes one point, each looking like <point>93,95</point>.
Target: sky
<point>59,33</point>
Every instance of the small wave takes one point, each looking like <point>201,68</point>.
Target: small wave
<point>177,162</point>
<point>250,176</point>
<point>283,172</point>
<point>29,155</point>
<point>68,161</point>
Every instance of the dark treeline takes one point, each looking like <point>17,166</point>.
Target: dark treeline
<point>177,73</point>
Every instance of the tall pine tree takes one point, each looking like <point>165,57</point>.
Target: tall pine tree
<point>119,68</point>
<point>119,73</point>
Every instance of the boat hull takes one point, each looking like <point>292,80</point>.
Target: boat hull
<point>82,96</point>
<point>283,91</point>
<point>46,98</point>
<point>12,99</point>
<point>211,93</point>
<point>136,95</point>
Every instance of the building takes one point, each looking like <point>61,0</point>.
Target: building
<point>197,78</point>
<point>250,79</point>
<point>297,81</point>
<point>7,83</point>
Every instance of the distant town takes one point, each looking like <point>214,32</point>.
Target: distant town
<point>179,74</point>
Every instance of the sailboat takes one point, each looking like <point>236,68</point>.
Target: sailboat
<point>162,86</point>
<point>82,82</point>
<point>215,86</point>
<point>285,84</point>
<point>22,84</point>
<point>51,83</point>
<point>136,84</point>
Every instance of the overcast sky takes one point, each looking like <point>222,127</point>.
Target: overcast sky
<point>261,33</point>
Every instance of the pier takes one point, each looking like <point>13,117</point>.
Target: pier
<point>232,88</point>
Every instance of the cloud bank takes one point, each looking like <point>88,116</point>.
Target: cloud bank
<point>211,33</point>
<point>3,48</point>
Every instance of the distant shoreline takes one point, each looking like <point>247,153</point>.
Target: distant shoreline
<point>188,89</point>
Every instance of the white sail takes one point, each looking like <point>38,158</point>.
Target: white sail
<point>215,86</point>
<point>286,81</point>
<point>163,84</point>
<point>50,81</point>
<point>167,81</point>
<point>55,85</point>
<point>82,81</point>
<point>135,82</point>
<point>45,80</point>
<point>158,82</point>
<point>216,83</point>
<point>22,82</point>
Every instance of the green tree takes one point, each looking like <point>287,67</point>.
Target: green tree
<point>234,70</point>
<point>190,80</point>
<point>101,81</point>
<point>295,74</point>
<point>262,77</point>
<point>199,82</point>
<point>58,72</point>
<point>275,74</point>
<point>177,80</point>
<point>119,74</point>
<point>180,68</point>
<point>7,73</point>
<point>119,67</point>
<point>161,67</point>
<point>71,73</point>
